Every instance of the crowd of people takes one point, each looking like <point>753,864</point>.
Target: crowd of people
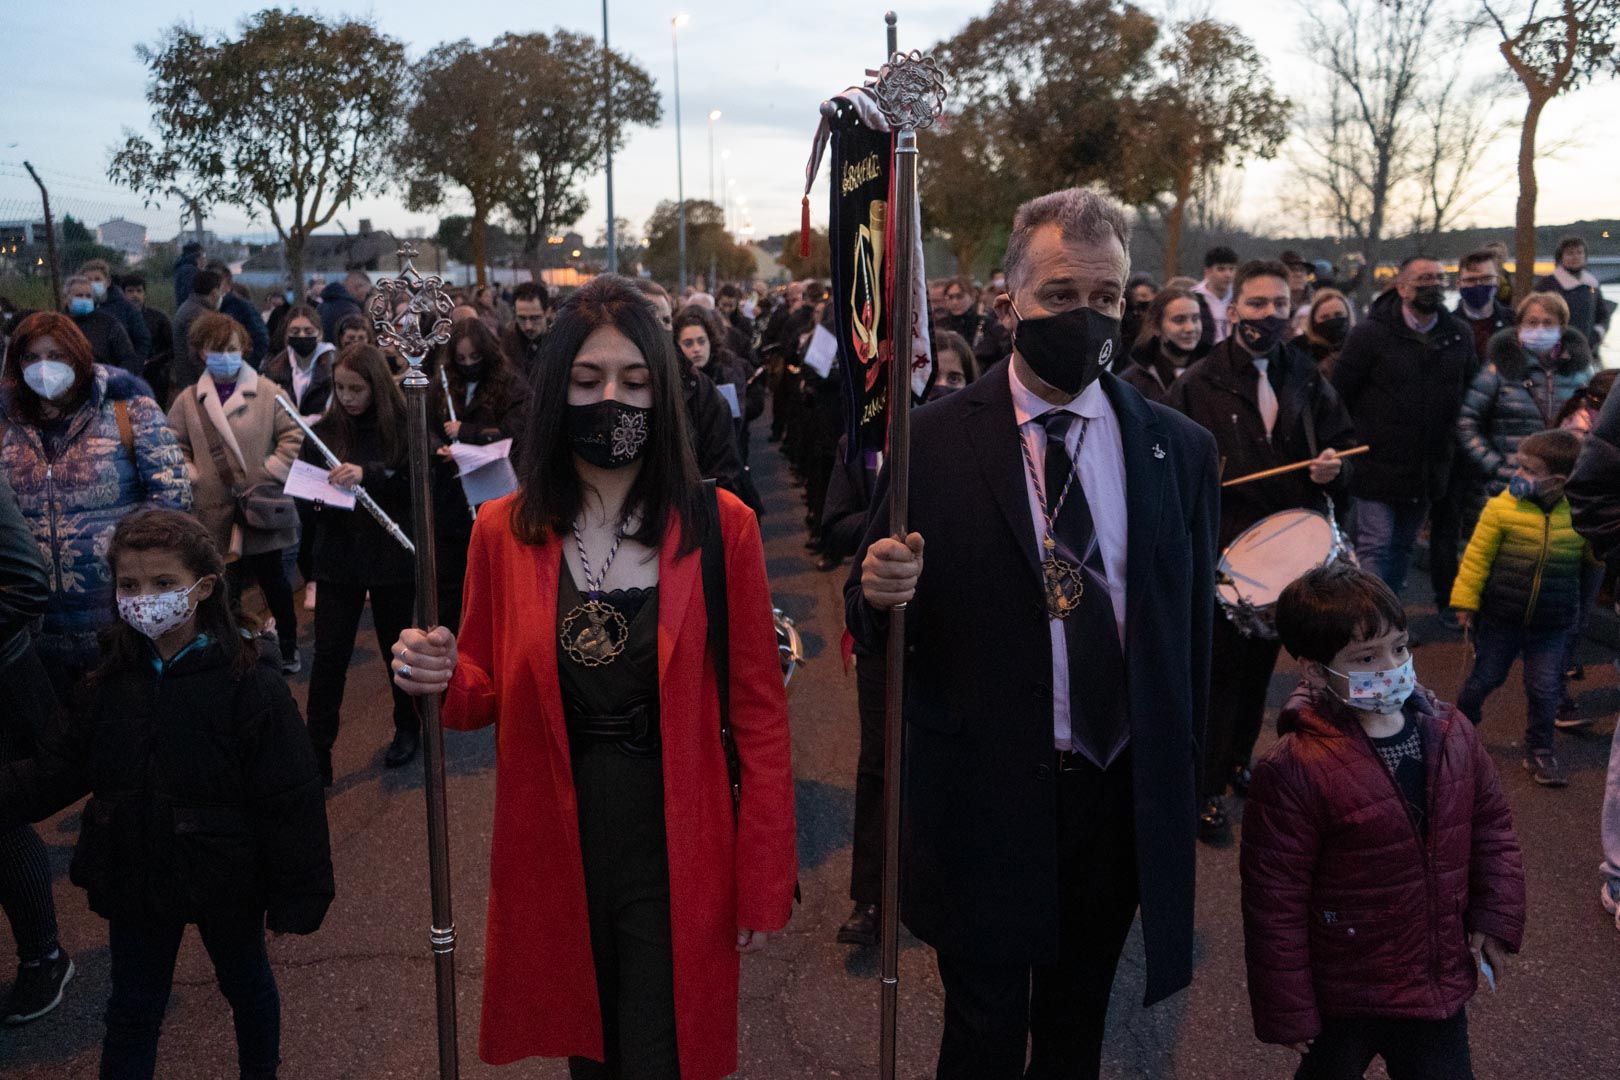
<point>155,571</point>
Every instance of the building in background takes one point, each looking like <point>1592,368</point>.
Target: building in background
<point>125,236</point>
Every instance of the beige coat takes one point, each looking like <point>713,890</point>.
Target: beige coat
<point>260,439</point>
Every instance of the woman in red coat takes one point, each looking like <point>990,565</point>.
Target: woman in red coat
<point>623,881</point>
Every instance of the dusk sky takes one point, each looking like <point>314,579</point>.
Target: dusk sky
<point>74,83</point>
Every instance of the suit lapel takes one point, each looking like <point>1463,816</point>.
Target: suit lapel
<point>992,429</point>
<point>1147,469</point>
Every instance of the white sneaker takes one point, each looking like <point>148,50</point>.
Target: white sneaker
<point>309,596</point>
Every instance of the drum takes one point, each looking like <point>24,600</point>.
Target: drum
<point>1269,556</point>
<point>789,646</point>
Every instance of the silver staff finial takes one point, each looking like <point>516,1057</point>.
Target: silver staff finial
<point>910,90</point>
<point>425,320</point>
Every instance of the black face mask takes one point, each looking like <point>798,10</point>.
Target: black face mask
<point>609,434</point>
<point>1333,330</point>
<point>1427,299</point>
<point>938,391</point>
<point>1260,336</point>
<point>1174,351</point>
<point>470,373</point>
<point>303,346</point>
<point>1068,350</point>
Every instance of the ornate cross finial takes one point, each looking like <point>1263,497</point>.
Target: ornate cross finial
<point>910,90</point>
<point>425,319</point>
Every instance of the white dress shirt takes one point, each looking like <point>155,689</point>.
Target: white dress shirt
<point>1102,477</point>
<point>1218,306</point>
<point>303,373</point>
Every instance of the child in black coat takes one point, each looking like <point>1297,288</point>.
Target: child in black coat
<point>206,806</point>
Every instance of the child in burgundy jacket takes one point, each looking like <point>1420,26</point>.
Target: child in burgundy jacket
<point>1381,874</point>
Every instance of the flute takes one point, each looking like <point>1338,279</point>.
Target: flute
<point>360,494</point>
<point>444,381</point>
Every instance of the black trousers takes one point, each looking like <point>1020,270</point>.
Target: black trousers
<point>622,840</point>
<point>1445,537</point>
<point>1411,1049</point>
<point>26,704</point>
<point>337,621</point>
<point>265,568</point>
<point>1239,677</point>
<point>1058,1008</point>
<point>866,858</point>
<point>143,954</point>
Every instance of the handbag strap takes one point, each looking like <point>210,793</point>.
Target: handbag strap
<point>222,461</point>
<point>715,602</point>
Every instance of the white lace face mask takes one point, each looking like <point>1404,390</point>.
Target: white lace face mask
<point>155,614</point>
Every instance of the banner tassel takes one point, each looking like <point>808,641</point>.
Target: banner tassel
<point>804,228</point>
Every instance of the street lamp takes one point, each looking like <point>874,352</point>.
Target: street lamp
<point>714,115</point>
<point>675,24</point>
<point>725,189</point>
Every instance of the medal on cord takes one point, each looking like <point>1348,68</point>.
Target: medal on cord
<point>1063,581</point>
<point>594,632</point>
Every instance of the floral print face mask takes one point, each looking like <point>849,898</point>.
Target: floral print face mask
<point>1379,691</point>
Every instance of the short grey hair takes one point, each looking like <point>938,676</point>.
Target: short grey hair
<point>1080,213</point>
<point>76,279</point>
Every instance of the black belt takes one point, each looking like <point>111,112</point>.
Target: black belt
<point>634,725</point>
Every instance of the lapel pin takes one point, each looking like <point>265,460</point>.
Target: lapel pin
<point>1158,451</point>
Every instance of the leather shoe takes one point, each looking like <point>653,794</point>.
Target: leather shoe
<point>402,749</point>
<point>1242,777</point>
<point>1213,825</point>
<point>861,928</point>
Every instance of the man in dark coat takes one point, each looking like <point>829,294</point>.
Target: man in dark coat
<point>109,344</point>
<point>244,312</point>
<point>1294,415</point>
<point>1052,731</point>
<point>207,288</point>
<point>1481,312</point>
<point>110,298</point>
<point>1588,311</point>
<point>185,269</point>
<point>337,302</point>
<point>531,310</point>
<point>161,332</point>
<point>1402,374</point>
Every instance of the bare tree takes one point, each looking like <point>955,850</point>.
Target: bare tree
<point>1392,140</point>
<point>1457,127</point>
<point>1551,48</point>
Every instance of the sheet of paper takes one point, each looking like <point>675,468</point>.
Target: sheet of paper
<point>489,481</point>
<point>729,392</point>
<point>470,458</point>
<point>822,352</point>
<point>307,482</point>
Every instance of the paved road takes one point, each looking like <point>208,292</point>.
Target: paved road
<point>358,998</point>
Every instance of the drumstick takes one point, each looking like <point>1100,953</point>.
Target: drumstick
<point>1279,470</point>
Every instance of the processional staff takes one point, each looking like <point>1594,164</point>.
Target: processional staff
<point>910,91</point>
<point>424,323</point>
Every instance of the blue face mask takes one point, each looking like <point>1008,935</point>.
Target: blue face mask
<point>1477,297</point>
<point>223,365</point>
<point>99,288</point>
<point>1539,339</point>
<point>81,306</point>
<point>289,294</point>
<point>1520,487</point>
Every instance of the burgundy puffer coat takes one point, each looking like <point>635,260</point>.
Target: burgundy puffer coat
<point>1347,910</point>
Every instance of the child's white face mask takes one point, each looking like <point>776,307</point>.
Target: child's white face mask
<point>155,614</point>
<point>1378,691</point>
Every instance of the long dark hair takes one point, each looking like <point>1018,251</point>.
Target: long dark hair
<point>495,381</point>
<point>179,534</point>
<point>709,322</point>
<point>338,429</point>
<point>1154,315</point>
<point>550,494</point>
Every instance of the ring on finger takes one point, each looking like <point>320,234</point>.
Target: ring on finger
<point>404,671</point>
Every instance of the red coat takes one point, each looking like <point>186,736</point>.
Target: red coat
<point>539,983</point>
<point>1346,910</point>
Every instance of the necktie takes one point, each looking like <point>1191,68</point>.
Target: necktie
<point>1267,396</point>
<point>1096,663</point>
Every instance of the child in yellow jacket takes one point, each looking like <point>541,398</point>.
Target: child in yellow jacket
<point>1518,592</point>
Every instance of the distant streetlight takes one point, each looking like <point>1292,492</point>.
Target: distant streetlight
<point>714,114</point>
<point>725,192</point>
<point>675,24</point>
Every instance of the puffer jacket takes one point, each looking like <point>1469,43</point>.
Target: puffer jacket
<point>1522,565</point>
<point>204,792</point>
<point>1594,486</point>
<point>1514,396</point>
<point>75,487</point>
<point>1349,911</point>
